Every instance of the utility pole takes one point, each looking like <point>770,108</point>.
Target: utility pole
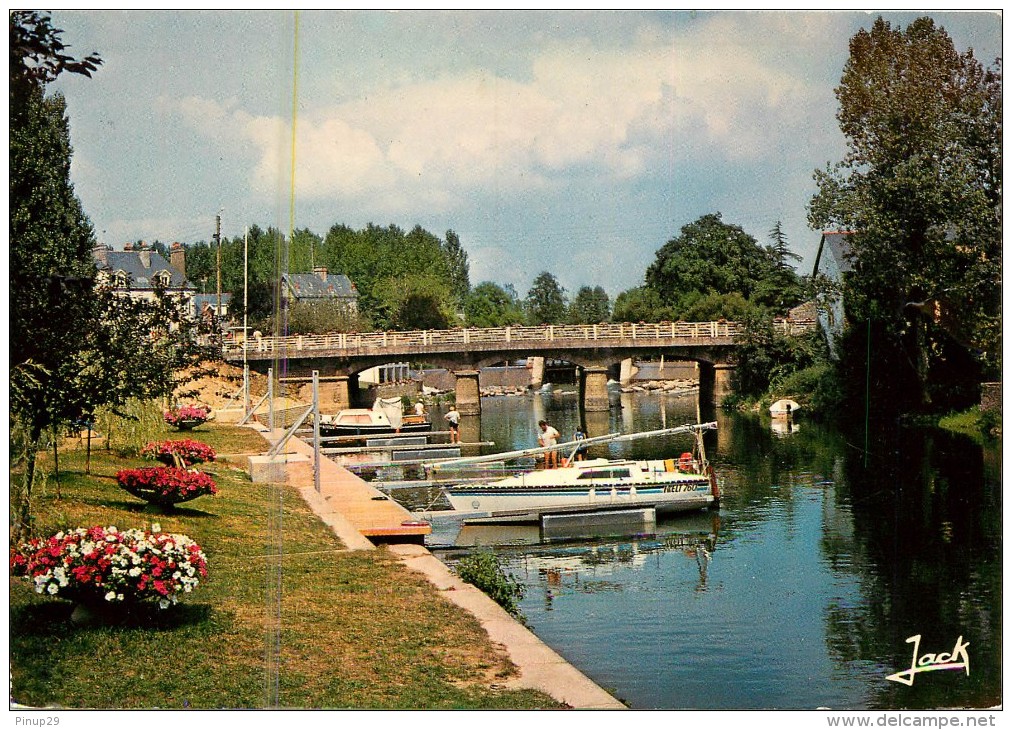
<point>217,239</point>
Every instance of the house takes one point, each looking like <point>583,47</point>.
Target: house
<point>319,287</point>
<point>833,261</point>
<point>139,271</point>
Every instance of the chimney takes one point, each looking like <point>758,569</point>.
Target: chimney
<point>145,256</point>
<point>320,271</point>
<point>177,258</point>
<point>128,246</point>
<point>101,255</point>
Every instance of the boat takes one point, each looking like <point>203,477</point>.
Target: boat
<point>784,408</point>
<point>369,422</point>
<point>673,485</point>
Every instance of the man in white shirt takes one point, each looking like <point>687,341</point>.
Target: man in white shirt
<point>549,437</point>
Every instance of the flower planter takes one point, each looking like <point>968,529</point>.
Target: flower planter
<point>187,418</point>
<point>104,570</point>
<point>185,452</point>
<point>187,424</point>
<point>165,485</point>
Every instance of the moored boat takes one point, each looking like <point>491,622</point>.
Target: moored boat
<point>667,485</point>
<point>368,422</point>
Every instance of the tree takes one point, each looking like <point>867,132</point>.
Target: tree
<point>590,306</point>
<point>708,256</point>
<point>490,305</point>
<point>920,187</point>
<point>782,288</point>
<point>51,268</point>
<point>640,304</point>
<point>460,280</point>
<point>546,301</point>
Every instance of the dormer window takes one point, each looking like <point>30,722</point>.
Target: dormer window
<point>161,279</point>
<point>121,279</point>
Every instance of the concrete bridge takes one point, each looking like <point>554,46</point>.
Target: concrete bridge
<point>593,348</point>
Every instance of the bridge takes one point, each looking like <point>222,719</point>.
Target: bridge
<point>593,348</point>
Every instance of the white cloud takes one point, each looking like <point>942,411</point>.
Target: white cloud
<point>614,111</point>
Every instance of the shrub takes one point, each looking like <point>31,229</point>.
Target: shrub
<point>103,564</point>
<point>484,570</point>
<point>166,484</point>
<point>189,451</point>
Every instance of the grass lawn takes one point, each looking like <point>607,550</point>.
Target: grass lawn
<point>317,627</point>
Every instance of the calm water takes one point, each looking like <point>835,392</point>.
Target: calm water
<point>800,592</point>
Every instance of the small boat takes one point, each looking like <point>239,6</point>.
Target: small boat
<point>668,485</point>
<point>367,422</point>
<point>784,408</point>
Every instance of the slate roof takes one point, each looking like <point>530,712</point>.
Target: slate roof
<point>199,300</point>
<point>311,286</point>
<point>140,275</point>
<point>838,247</point>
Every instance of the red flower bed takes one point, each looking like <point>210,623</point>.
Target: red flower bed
<point>166,484</point>
<point>186,417</point>
<point>190,451</point>
<point>104,564</point>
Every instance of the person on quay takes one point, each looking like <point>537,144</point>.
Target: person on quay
<point>453,418</point>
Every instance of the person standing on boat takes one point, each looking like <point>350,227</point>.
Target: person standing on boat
<point>549,437</point>
<point>581,452</point>
<point>453,418</point>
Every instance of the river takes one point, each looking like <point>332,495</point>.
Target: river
<point>802,591</point>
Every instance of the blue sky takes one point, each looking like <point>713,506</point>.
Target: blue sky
<point>572,142</point>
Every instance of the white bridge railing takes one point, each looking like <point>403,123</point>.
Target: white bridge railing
<point>571,335</point>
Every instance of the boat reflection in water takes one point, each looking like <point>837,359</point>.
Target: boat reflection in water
<point>579,561</point>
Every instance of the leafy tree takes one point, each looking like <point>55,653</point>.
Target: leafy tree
<point>460,281</point>
<point>920,187</point>
<point>708,256</point>
<point>414,302</point>
<point>710,307</point>
<point>641,304</point>
<point>51,268</point>
<point>546,301</point>
<point>590,306</point>
<point>490,305</point>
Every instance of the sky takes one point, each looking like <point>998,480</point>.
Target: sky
<point>571,142</point>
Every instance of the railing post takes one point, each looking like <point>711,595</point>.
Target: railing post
<point>298,342</point>
<point>507,334</point>
<point>270,398</point>
<point>634,330</point>
<point>551,332</point>
<point>595,331</point>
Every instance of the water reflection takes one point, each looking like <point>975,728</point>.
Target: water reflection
<point>825,562</point>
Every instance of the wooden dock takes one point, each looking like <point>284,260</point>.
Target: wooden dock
<point>374,514</point>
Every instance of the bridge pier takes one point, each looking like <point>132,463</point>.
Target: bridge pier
<point>468,392</point>
<point>594,388</point>
<point>627,372</point>
<point>537,372</point>
<point>715,382</point>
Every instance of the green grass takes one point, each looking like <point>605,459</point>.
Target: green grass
<point>348,630</point>
<point>975,423</point>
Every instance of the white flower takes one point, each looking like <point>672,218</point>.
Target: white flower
<point>134,572</point>
<point>163,603</point>
<point>53,589</point>
<point>156,527</point>
<point>110,596</point>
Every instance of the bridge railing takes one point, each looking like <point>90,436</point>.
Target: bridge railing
<point>358,342</point>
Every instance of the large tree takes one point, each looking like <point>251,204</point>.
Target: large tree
<point>51,268</point>
<point>490,305</point>
<point>920,188</point>
<point>591,305</point>
<point>709,256</point>
<point>546,300</point>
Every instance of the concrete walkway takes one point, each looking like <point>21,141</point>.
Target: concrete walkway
<point>539,666</point>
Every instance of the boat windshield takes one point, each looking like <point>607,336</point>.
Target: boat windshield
<point>604,474</point>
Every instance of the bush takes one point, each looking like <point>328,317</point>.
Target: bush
<point>165,484</point>
<point>103,564</point>
<point>484,570</point>
<point>815,387</point>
